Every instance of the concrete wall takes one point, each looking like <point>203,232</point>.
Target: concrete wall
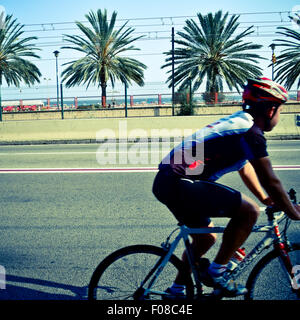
<point>120,128</point>
<point>158,111</point>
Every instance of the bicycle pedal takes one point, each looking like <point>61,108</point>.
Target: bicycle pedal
<point>220,293</point>
<point>169,296</point>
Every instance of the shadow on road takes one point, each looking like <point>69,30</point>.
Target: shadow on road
<point>22,288</point>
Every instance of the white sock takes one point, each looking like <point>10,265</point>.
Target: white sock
<point>216,269</point>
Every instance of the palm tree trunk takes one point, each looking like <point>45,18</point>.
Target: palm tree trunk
<point>103,97</point>
<point>216,97</point>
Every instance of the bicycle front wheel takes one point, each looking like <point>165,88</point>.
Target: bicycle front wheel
<point>120,275</point>
<point>270,280</point>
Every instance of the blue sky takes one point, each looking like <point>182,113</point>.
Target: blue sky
<point>37,11</point>
<point>44,19</point>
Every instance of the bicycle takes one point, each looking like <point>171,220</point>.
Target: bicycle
<point>143,272</point>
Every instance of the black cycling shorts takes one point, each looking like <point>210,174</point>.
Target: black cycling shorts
<point>194,202</point>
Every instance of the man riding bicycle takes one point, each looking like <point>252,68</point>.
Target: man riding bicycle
<point>186,179</point>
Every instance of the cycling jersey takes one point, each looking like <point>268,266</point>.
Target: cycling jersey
<point>221,147</point>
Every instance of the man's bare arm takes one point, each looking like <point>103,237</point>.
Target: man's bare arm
<point>273,186</point>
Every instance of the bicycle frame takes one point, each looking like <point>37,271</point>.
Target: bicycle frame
<point>272,237</point>
<point>165,257</point>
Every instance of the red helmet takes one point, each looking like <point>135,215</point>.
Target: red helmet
<point>264,90</point>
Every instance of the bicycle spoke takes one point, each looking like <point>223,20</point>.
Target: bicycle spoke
<point>121,276</point>
<point>270,280</point>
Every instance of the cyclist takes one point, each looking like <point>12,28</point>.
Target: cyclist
<point>185,182</point>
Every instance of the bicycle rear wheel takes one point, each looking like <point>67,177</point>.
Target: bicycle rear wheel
<point>269,279</point>
<point>119,276</point>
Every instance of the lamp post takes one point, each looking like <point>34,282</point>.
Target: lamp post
<point>125,86</point>
<point>272,46</point>
<point>173,71</point>
<point>57,86</point>
<point>62,101</point>
<point>190,91</point>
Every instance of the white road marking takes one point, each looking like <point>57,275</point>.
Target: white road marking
<point>154,150</point>
<point>111,169</point>
<point>78,170</point>
<point>78,152</point>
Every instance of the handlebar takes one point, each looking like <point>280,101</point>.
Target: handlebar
<point>270,210</point>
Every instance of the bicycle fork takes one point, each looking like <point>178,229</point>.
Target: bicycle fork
<point>154,273</point>
<point>290,270</point>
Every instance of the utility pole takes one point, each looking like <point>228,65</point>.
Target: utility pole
<point>125,85</point>
<point>62,100</point>
<point>57,86</point>
<point>173,70</point>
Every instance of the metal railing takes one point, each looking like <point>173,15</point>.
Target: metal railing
<point>118,102</point>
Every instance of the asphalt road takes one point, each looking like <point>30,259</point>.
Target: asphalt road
<point>58,222</point>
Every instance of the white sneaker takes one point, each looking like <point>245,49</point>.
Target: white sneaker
<point>223,286</point>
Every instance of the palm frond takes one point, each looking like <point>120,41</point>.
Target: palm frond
<point>211,50</point>
<point>287,66</point>
<point>13,48</point>
<point>103,47</point>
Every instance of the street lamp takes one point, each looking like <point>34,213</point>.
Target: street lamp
<point>125,92</point>
<point>57,87</point>
<point>173,71</point>
<point>272,46</point>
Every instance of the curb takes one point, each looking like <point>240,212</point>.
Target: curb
<point>134,140</point>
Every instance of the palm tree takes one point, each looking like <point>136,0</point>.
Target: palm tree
<point>287,66</point>
<point>210,50</point>
<point>102,47</point>
<point>13,67</point>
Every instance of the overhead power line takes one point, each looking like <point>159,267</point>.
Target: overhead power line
<point>163,21</point>
<point>158,28</point>
<point>164,18</point>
